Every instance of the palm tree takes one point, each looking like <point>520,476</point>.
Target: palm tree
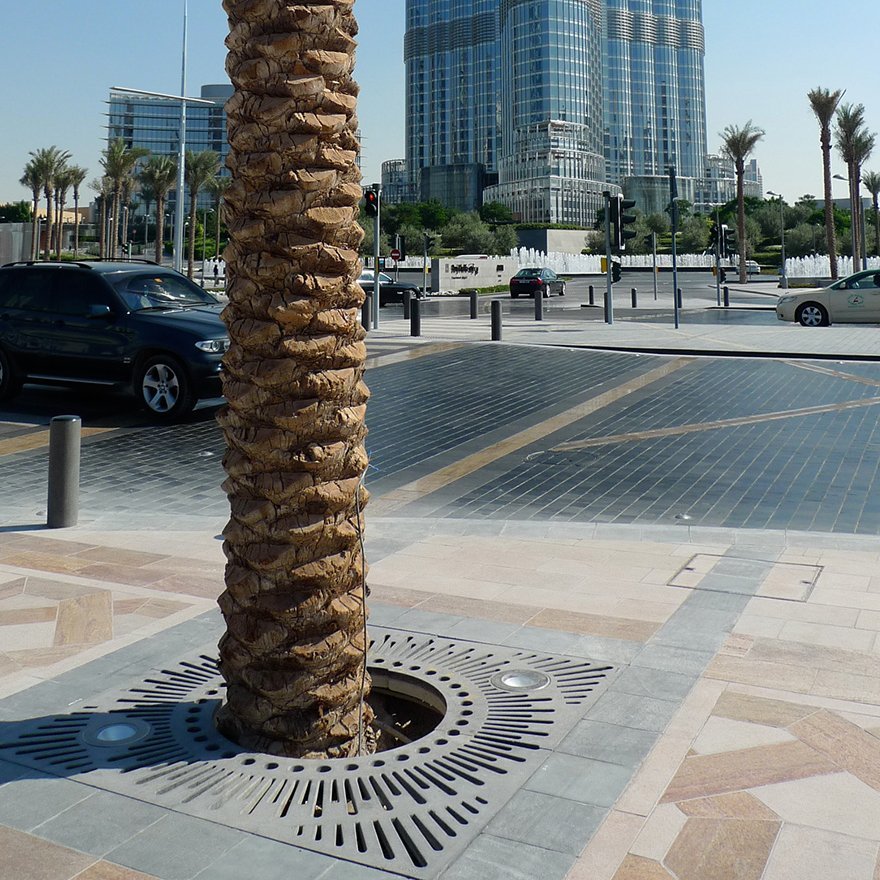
<point>32,180</point>
<point>160,175</point>
<point>824,104</point>
<point>294,651</point>
<point>48,161</point>
<point>737,144</point>
<point>855,145</point>
<point>199,169</point>
<point>77,176</point>
<point>871,179</point>
<point>218,186</point>
<point>104,188</point>
<point>63,182</point>
<point>118,162</point>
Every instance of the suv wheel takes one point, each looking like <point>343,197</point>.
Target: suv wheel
<point>163,386</point>
<point>10,383</point>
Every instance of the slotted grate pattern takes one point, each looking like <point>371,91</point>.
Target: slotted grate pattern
<point>411,810</point>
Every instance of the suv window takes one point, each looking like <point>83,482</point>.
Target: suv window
<point>155,290</point>
<point>76,291</point>
<point>31,290</point>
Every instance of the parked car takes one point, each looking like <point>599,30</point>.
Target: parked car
<point>732,271</point>
<point>852,300</point>
<point>529,282</point>
<point>112,324</point>
<point>390,291</point>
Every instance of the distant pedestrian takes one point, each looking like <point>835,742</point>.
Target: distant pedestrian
<point>216,272</point>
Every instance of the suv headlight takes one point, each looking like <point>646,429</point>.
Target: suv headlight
<point>214,346</point>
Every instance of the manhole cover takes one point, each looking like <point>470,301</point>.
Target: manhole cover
<point>410,810</point>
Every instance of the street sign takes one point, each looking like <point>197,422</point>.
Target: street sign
<point>395,255</point>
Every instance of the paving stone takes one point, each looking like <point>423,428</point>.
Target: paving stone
<point>673,659</point>
<point>30,800</point>
<point>610,743</point>
<point>263,859</point>
<point>645,682</point>
<point>99,823</point>
<point>580,779</point>
<point>626,710</point>
<point>494,858</point>
<point>548,822</point>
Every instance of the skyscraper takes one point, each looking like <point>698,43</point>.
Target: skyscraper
<point>542,104</point>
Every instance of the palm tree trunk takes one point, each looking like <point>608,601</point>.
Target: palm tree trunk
<point>852,173</point>
<point>114,225</point>
<point>876,227</point>
<point>49,227</point>
<point>830,232</point>
<point>294,651</point>
<point>217,232</point>
<point>35,244</point>
<point>75,224</point>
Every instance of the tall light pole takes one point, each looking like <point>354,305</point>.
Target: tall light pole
<point>784,281</point>
<point>181,159</point>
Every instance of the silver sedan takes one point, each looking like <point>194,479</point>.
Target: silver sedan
<point>852,300</point>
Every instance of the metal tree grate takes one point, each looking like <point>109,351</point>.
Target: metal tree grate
<point>410,810</point>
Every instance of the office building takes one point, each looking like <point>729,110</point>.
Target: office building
<point>542,104</point>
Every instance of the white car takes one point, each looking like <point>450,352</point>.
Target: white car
<point>852,300</point>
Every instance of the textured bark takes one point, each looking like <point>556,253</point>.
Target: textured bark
<point>294,651</point>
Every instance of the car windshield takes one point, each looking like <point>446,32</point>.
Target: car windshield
<point>161,291</point>
<point>528,273</point>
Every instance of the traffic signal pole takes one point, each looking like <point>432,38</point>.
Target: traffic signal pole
<point>717,257</point>
<point>673,209</point>
<point>609,302</point>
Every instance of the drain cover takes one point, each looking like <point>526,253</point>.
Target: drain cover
<point>411,810</point>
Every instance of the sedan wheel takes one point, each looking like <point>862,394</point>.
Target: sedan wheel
<point>812,315</point>
<point>562,289</point>
<point>164,388</point>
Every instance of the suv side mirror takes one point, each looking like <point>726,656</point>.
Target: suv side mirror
<point>96,311</point>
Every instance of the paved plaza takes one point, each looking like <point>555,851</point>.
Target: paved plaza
<point>699,523</point>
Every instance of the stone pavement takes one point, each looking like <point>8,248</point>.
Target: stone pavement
<point>740,739</point>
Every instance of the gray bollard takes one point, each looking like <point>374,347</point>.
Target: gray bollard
<point>407,304</point>
<point>678,293</point>
<point>365,312</point>
<point>64,445</point>
<point>539,305</point>
<point>635,297</point>
<point>473,296</point>
<point>496,320</point>
<point>726,297</point>
<point>592,296</point>
<point>415,317</point>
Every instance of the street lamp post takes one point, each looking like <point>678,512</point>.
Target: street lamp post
<point>783,283</point>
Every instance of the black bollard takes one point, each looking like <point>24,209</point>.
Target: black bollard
<point>415,318</point>
<point>679,297</point>
<point>365,312</point>
<point>473,296</point>
<point>635,297</point>
<point>496,320</point>
<point>407,304</point>
<point>592,296</point>
<point>539,305</point>
<point>726,297</point>
<point>64,446</point>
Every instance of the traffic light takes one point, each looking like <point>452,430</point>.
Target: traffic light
<point>713,238</point>
<point>620,220</point>
<point>728,241</point>
<point>371,203</point>
<point>615,271</point>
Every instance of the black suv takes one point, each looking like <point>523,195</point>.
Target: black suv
<point>114,324</point>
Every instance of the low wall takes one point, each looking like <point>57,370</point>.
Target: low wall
<point>458,273</point>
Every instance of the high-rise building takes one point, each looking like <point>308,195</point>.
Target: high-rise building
<point>542,104</point>
<point>153,123</point>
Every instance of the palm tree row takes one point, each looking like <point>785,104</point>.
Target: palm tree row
<point>48,174</point>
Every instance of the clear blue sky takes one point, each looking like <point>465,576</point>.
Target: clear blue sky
<point>58,59</point>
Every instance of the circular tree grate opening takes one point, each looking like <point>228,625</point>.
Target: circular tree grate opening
<point>406,709</point>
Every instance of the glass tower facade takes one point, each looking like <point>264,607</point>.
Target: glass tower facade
<point>655,101</point>
<point>154,124</point>
<point>550,101</point>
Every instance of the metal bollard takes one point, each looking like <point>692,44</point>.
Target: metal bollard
<point>365,312</point>
<point>473,296</point>
<point>496,320</point>
<point>539,305</point>
<point>407,304</point>
<point>635,297</point>
<point>64,446</point>
<point>726,297</point>
<point>415,317</point>
<point>678,294</point>
<point>592,296</point>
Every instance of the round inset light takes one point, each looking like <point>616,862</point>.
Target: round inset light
<point>114,733</point>
<point>105,732</point>
<point>520,680</point>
